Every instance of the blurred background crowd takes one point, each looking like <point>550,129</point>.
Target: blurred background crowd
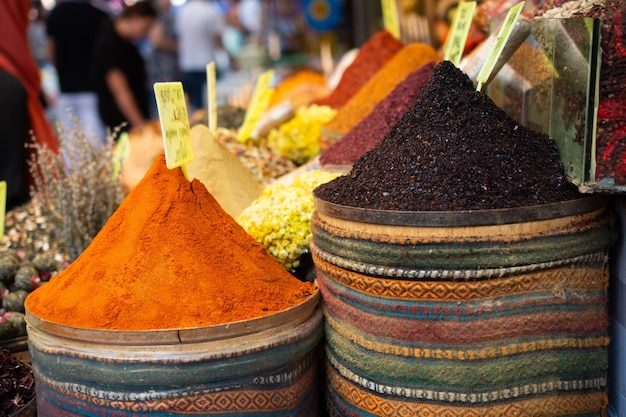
<point>89,65</point>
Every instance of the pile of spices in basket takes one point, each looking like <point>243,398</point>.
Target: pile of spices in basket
<point>407,60</point>
<point>228,117</point>
<point>300,89</point>
<point>379,49</point>
<point>264,163</point>
<point>168,258</point>
<point>454,149</point>
<point>28,229</point>
<point>17,384</point>
<point>373,128</point>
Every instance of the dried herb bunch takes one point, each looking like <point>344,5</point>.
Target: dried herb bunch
<point>76,188</point>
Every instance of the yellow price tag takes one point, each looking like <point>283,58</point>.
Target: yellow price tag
<point>260,100</point>
<point>498,46</point>
<point>455,44</point>
<point>589,24</point>
<point>122,150</point>
<point>175,130</point>
<point>391,20</point>
<point>3,206</point>
<point>211,96</point>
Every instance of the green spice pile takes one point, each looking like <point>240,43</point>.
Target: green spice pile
<point>454,149</point>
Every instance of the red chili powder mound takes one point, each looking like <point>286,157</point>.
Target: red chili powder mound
<point>168,258</point>
<point>376,125</point>
<point>372,56</point>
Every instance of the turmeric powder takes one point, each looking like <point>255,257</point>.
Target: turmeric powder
<point>168,258</point>
<point>300,89</point>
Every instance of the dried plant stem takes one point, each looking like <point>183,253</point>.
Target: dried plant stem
<point>76,188</point>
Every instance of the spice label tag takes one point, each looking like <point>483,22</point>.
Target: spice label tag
<point>260,100</point>
<point>498,46</point>
<point>3,206</point>
<point>175,130</point>
<point>211,96</point>
<point>122,151</point>
<point>391,21</point>
<point>455,44</point>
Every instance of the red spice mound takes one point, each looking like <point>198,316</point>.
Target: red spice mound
<point>168,258</point>
<point>375,126</point>
<point>379,49</point>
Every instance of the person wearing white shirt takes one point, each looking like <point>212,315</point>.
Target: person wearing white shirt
<point>199,25</point>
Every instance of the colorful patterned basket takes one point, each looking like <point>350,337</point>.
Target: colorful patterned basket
<point>262,367</point>
<point>505,319</point>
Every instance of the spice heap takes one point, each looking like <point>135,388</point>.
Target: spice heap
<point>373,128</point>
<point>560,9</point>
<point>27,229</point>
<point>228,117</point>
<point>17,384</point>
<point>379,49</point>
<point>299,89</point>
<point>454,149</point>
<point>407,60</point>
<point>281,217</point>
<point>221,172</point>
<point>264,163</point>
<point>299,138</point>
<point>168,258</point>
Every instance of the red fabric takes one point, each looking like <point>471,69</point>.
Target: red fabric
<point>15,58</point>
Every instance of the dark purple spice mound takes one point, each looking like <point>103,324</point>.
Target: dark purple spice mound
<point>17,384</point>
<point>370,131</point>
<point>454,149</point>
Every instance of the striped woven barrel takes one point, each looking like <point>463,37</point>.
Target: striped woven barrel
<point>262,367</point>
<point>464,320</point>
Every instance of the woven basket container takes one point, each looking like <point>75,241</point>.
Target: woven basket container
<point>499,313</point>
<point>263,367</point>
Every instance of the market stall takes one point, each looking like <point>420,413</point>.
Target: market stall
<point>402,236</point>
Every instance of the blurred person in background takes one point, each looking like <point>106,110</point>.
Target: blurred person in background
<point>199,25</point>
<point>250,15</point>
<point>162,59</point>
<point>73,27</point>
<point>36,34</point>
<point>244,20</point>
<point>21,109</point>
<point>121,76</point>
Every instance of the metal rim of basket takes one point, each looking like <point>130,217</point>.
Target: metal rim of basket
<point>462,218</point>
